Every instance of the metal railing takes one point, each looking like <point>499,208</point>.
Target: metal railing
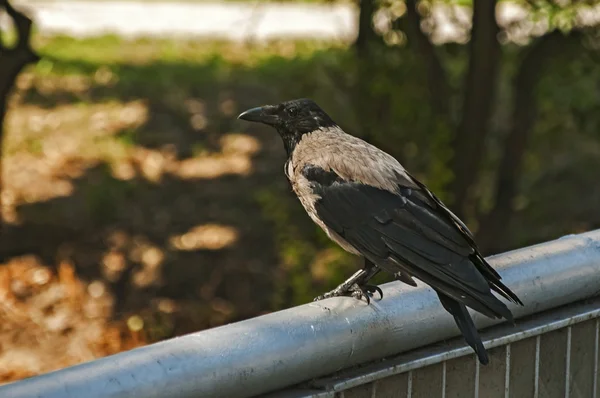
<point>554,354</point>
<point>553,350</point>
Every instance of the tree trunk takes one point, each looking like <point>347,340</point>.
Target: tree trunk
<point>494,226</point>
<point>12,61</point>
<point>480,83</point>
<point>366,33</point>
<point>439,89</point>
<point>363,47</point>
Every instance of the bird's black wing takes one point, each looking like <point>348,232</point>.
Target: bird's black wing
<point>478,260</point>
<point>408,231</point>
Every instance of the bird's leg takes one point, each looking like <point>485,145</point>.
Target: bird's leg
<point>362,289</point>
<point>344,288</point>
<point>356,286</point>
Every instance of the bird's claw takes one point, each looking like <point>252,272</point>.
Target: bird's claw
<point>374,288</point>
<point>365,291</point>
<point>321,297</point>
<point>357,291</point>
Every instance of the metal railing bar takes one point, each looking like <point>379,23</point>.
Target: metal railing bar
<point>375,384</point>
<point>498,336</point>
<point>285,348</point>
<point>444,379</point>
<point>507,373</point>
<point>476,390</point>
<point>536,381</point>
<point>301,393</point>
<point>409,385</point>
<point>568,363</point>
<point>596,342</point>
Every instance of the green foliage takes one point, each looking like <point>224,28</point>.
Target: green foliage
<point>127,138</point>
<point>560,15</point>
<point>103,194</point>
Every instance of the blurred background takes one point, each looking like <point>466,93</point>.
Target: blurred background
<point>135,207</point>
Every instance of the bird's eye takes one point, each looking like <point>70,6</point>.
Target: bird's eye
<point>291,112</point>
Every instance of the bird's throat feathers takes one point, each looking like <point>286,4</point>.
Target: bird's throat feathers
<point>292,138</point>
<point>290,141</point>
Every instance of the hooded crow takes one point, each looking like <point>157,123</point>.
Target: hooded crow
<point>371,206</point>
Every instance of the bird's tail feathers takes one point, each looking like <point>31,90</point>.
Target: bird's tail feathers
<point>494,278</point>
<point>465,324</point>
<point>455,289</point>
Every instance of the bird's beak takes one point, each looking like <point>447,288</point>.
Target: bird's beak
<point>265,114</point>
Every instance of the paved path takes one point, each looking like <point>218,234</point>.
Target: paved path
<point>232,21</point>
<point>245,21</point>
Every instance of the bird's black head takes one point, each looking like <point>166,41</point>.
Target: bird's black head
<point>292,119</point>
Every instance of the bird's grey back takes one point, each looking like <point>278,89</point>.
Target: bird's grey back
<point>350,158</point>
